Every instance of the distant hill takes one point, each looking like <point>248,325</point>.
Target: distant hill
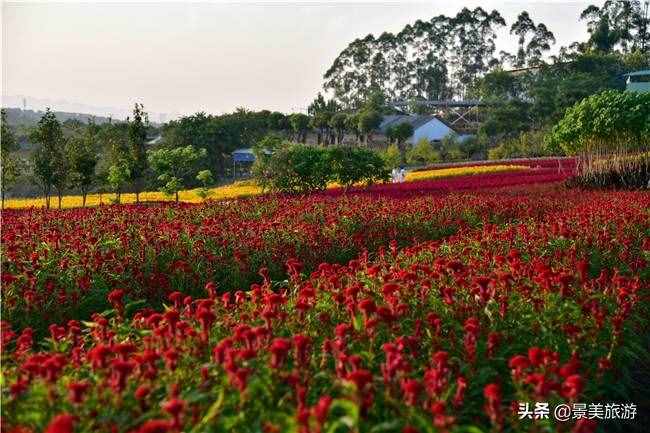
<point>20,117</point>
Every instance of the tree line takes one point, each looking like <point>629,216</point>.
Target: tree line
<point>113,156</point>
<point>445,57</point>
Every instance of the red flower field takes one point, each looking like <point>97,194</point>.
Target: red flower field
<point>402,308</point>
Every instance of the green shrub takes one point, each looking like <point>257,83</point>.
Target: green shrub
<point>610,132</point>
<point>350,165</point>
<point>392,156</point>
<point>527,144</point>
<point>296,168</point>
<point>423,153</point>
<point>610,121</point>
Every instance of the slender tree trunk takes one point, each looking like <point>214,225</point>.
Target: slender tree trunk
<point>137,197</point>
<point>83,198</point>
<point>47,197</point>
<point>59,194</point>
<point>176,196</point>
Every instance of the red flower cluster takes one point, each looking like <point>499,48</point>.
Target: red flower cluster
<point>537,288</point>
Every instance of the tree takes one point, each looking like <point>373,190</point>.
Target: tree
<point>392,156</point>
<point>118,176</point>
<point>533,41</point>
<point>11,164</point>
<point>610,132</point>
<point>137,144</point>
<point>300,125</point>
<point>400,133</point>
<point>610,121</point>
<point>422,153</point>
<point>618,24</point>
<point>173,165</point>
<point>206,179</point>
<point>296,168</point>
<point>50,164</point>
<point>338,123</point>
<point>83,160</point>
<point>368,122</point>
<point>351,165</point>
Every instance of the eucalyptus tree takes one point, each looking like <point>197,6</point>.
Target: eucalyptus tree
<point>533,40</point>
<point>618,24</point>
<point>474,43</point>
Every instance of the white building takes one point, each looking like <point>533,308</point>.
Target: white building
<point>430,127</point>
<point>638,81</point>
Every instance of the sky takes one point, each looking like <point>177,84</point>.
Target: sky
<point>183,57</point>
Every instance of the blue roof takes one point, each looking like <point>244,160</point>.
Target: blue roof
<point>243,155</point>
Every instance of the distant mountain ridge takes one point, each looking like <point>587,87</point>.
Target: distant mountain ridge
<point>20,117</point>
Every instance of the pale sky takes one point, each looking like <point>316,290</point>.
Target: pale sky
<point>182,57</point>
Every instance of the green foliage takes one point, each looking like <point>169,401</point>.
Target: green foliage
<point>506,118</point>
<point>423,153</point>
<point>137,145</point>
<point>338,123</point>
<point>611,133</point>
<point>605,122</point>
<point>206,179</point>
<point>118,177</point>
<point>351,165</point>
<point>296,168</point>
<point>400,132</point>
<point>526,144</point>
<point>220,135</point>
<point>83,160</point>
<point>299,125</point>
<point>10,164</point>
<point>368,121</point>
<point>392,156</point>
<point>416,62</point>
<point>49,159</point>
<point>174,165</point>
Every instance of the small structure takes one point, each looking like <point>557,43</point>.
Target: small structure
<point>244,157</point>
<point>430,127</point>
<point>638,81</point>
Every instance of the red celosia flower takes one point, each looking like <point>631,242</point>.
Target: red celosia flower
<point>572,386</point>
<point>492,394</point>
<point>411,389</point>
<point>155,426</point>
<point>77,391</point>
<point>174,407</point>
<point>62,423</point>
<point>279,349</point>
<point>321,409</point>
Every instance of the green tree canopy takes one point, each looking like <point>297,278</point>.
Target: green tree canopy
<point>174,165</point>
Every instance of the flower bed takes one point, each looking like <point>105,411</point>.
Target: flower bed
<point>539,294</point>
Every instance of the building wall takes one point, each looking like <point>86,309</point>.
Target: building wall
<point>434,130</point>
<point>639,87</point>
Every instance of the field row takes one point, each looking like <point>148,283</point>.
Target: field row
<point>238,189</point>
